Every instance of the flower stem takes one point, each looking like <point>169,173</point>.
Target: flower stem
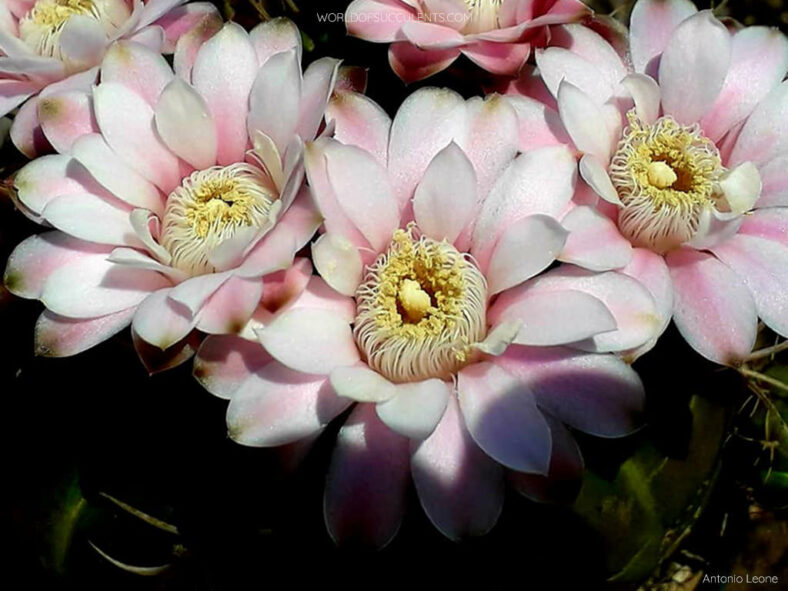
<point>763,378</point>
<point>768,351</point>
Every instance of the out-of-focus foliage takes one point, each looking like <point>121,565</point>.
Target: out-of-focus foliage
<point>647,509</point>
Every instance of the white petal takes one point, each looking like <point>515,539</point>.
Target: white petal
<point>338,262</point>
<point>416,408</point>
<point>361,384</point>
<point>525,248</point>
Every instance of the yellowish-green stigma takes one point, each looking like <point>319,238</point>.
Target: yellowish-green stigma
<point>209,208</point>
<point>42,26</point>
<point>420,308</point>
<point>666,174</point>
<point>483,15</point>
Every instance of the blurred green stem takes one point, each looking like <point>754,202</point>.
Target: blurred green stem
<point>768,351</point>
<point>749,373</point>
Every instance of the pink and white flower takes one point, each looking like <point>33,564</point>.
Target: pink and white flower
<point>51,46</point>
<point>687,150</point>
<point>173,212</point>
<point>433,317</point>
<point>426,36</point>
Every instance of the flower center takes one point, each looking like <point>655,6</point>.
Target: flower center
<point>421,306</point>
<point>484,15</point>
<point>666,174</point>
<point>42,26</point>
<point>209,208</point>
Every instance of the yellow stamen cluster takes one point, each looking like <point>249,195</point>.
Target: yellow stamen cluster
<point>55,13</point>
<point>483,15</point>
<point>420,307</point>
<point>209,207</point>
<point>665,175</point>
<point>40,28</point>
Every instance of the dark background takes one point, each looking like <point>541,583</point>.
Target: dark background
<point>74,428</point>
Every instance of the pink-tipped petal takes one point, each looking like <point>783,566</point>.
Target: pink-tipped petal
<point>459,486</point>
<point>155,9</point>
<point>774,178</point>
<point>539,125</point>
<point>759,62</point>
<point>585,122</point>
<point>292,231</point>
<point>412,64</point>
<point>763,264</point>
<point>771,224</point>
<point>553,318</point>
<point>274,99</point>
<point>363,192</point>
<point>501,415</point>
<point>594,241</point>
<point>584,41</point>
<point>492,138</point>
<point>693,67</point>
<point>161,322</point>
<point>336,221</point>
<point>327,337</point>
<point>37,257</point>
<point>425,124</point>
<point>81,42</point>
<point>109,170</point>
<point>319,80</point>
<point>230,306</point>
<point>319,295</point>
<point>367,483</point>
<point>91,286</point>
<point>377,21</point>
<point>765,133</point>
<point>156,360</point>
<point>282,288</point>
<point>93,219</point>
<point>597,394</point>
<point>127,124</point>
<point>595,174</point>
<point>646,94</point>
<point>185,124</point>
<point>224,362</point>
<point>151,37</point>
<point>276,406</point>
<point>651,25</point>
<point>630,303</point>
<point>138,68</point>
<point>188,45</point>
<point>501,59</point>
<point>26,132</point>
<point>359,121</point>
<point>525,248</point>
<point>706,291</point>
<point>445,199</point>
<point>558,65</point>
<point>338,262</point>
<point>564,479</point>
<point>195,291</point>
<point>58,336</point>
<point>52,176</point>
<point>651,270</point>
<point>223,74</point>
<point>415,408</point>
<point>361,384</point>
<point>275,36</point>
<point>66,117</point>
<point>182,20</point>
<point>537,182</point>
<point>425,35</point>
